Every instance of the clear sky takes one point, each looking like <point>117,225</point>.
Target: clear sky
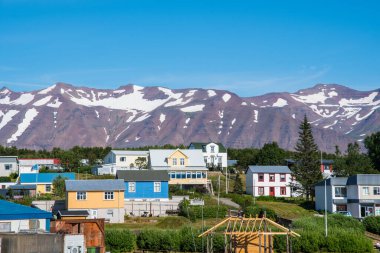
<point>248,47</point>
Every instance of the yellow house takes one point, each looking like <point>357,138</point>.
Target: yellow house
<point>43,181</point>
<point>100,198</point>
<point>185,166</point>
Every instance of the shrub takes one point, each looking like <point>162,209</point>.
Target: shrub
<point>13,175</point>
<point>158,240</point>
<point>260,211</point>
<point>372,224</point>
<point>195,212</point>
<point>118,241</point>
<point>5,179</point>
<point>242,200</point>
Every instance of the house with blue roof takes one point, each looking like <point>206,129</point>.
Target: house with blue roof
<point>18,218</point>
<point>145,185</point>
<point>43,181</point>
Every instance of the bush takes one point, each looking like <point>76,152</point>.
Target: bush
<point>195,212</point>
<point>158,240</point>
<point>5,179</point>
<point>254,211</point>
<point>372,224</point>
<point>13,175</point>
<point>118,241</point>
<point>241,199</point>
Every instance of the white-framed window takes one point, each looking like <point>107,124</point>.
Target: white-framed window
<point>81,195</point>
<point>182,161</point>
<point>212,149</point>
<point>48,188</point>
<point>108,195</point>
<point>132,187</point>
<point>174,161</point>
<point>188,174</point>
<point>157,186</point>
<point>123,159</point>
<point>172,175</point>
<point>376,190</point>
<point>261,190</point>
<point>365,190</point>
<point>8,166</point>
<point>340,191</point>
<point>199,174</point>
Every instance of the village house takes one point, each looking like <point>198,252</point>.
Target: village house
<point>358,194</point>
<point>145,185</point>
<point>33,165</point>
<point>268,181</point>
<point>100,198</point>
<point>214,154</point>
<point>186,167</point>
<point>8,165</point>
<point>18,218</point>
<point>43,181</point>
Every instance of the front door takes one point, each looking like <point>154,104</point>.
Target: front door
<point>271,191</point>
<point>94,214</point>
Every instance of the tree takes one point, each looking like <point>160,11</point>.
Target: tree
<point>141,163</point>
<point>372,143</point>
<point>238,186</point>
<point>307,167</point>
<point>353,162</point>
<point>59,186</point>
<point>271,154</point>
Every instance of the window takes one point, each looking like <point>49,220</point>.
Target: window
<point>282,177</point>
<point>204,175</point>
<point>261,177</point>
<point>376,190</point>
<point>188,174</point>
<point>212,149</point>
<point>193,175</point>
<point>34,224</point>
<point>81,196</point>
<point>108,195</point>
<point>282,190</point>
<point>183,175</point>
<point>8,166</point>
<point>271,177</point>
<point>132,187</point>
<point>340,191</point>
<point>157,186</point>
<point>122,159</point>
<point>199,174</point>
<point>261,190</point>
<point>365,190</point>
<point>219,159</point>
<point>174,161</point>
<point>172,175</point>
<point>5,227</point>
<point>182,161</point>
<point>48,188</point>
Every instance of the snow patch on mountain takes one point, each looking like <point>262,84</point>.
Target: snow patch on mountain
<point>211,93</point>
<point>97,114</point>
<point>29,116</point>
<point>280,103</point>
<point>319,97</point>
<point>256,116</point>
<point>7,117</point>
<point>55,104</point>
<point>42,101</point>
<point>190,93</point>
<point>142,117</point>
<point>226,97</point>
<point>366,101</point>
<point>47,90</point>
<point>233,121</point>
<point>193,108</point>
<point>162,117</point>
<point>24,99</point>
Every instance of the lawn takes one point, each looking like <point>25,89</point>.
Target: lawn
<point>287,210</point>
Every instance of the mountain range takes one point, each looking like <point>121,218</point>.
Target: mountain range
<point>64,115</point>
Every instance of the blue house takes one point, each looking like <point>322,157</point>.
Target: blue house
<point>43,181</point>
<point>146,185</point>
<point>18,218</point>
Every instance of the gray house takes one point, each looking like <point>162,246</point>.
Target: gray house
<point>8,165</point>
<point>358,194</point>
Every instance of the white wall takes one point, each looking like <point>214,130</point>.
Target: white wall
<point>252,181</point>
<point>6,173</point>
<point>17,225</point>
<point>216,153</point>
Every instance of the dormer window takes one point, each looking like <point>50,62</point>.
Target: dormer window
<point>174,161</point>
<point>182,161</point>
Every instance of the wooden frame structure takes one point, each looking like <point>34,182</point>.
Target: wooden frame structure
<point>248,235</point>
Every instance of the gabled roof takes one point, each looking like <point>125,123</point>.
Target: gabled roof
<point>142,175</point>
<point>200,145</point>
<point>95,185</point>
<point>13,211</point>
<point>8,159</point>
<point>44,177</point>
<point>130,152</point>
<point>180,151</point>
<point>158,157</point>
<point>267,169</point>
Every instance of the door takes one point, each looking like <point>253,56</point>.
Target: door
<point>271,191</point>
<point>94,214</point>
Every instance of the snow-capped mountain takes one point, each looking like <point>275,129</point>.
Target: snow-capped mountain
<point>63,115</point>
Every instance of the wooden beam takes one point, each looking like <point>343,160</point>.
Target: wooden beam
<point>214,227</point>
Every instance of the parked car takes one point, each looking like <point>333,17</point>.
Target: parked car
<point>345,213</point>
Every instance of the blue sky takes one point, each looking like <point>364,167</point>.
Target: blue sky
<point>247,47</point>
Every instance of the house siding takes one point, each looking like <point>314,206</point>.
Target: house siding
<point>145,190</point>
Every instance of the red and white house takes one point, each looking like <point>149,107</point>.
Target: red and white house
<point>268,181</point>
<point>32,165</point>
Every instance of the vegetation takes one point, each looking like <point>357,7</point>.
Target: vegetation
<point>118,241</point>
<point>238,185</point>
<point>372,224</point>
<point>307,167</point>
<point>372,143</point>
<point>199,212</point>
<point>5,179</point>
<point>59,186</point>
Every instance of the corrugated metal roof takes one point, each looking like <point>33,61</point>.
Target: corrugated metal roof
<point>13,211</point>
<point>23,187</point>
<point>143,175</point>
<point>158,157</point>
<point>201,145</point>
<point>95,185</point>
<point>364,179</point>
<point>67,213</point>
<point>8,159</point>
<point>131,152</point>
<point>268,169</point>
<point>44,177</point>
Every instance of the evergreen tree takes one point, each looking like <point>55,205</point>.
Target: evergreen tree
<point>372,143</point>
<point>238,186</point>
<point>307,167</point>
<point>271,154</point>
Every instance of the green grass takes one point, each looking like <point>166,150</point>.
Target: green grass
<point>287,210</point>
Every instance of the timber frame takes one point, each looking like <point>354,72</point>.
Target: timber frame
<point>248,235</point>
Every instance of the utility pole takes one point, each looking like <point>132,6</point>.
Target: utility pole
<point>218,189</point>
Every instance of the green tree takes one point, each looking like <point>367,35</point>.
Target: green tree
<point>141,163</point>
<point>271,154</point>
<point>372,143</point>
<point>353,162</point>
<point>59,186</point>
<point>238,186</point>
<point>307,167</point>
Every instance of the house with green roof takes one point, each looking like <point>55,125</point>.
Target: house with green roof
<point>214,154</point>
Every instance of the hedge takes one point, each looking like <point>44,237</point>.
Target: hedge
<point>254,211</point>
<point>118,241</point>
<point>195,212</point>
<point>5,179</point>
<point>372,224</point>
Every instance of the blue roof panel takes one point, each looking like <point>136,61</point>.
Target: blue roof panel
<point>44,177</point>
<point>13,211</point>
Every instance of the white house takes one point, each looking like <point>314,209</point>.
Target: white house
<point>32,165</point>
<point>121,160</point>
<point>214,154</point>
<point>268,181</point>
<point>358,194</point>
<point>8,165</point>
